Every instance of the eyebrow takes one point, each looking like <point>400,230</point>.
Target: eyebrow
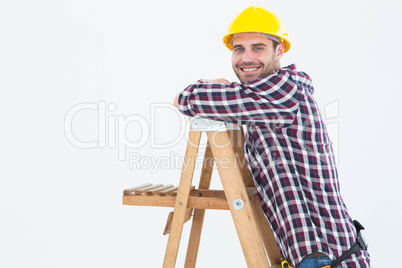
<point>236,46</point>
<point>259,44</point>
<point>254,45</point>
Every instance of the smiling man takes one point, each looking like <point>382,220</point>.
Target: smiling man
<point>255,55</point>
<point>287,148</point>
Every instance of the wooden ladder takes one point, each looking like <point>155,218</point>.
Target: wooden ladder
<point>224,148</point>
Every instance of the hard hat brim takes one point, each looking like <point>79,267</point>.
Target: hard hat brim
<point>227,40</point>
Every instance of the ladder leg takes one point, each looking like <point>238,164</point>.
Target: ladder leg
<point>237,140</point>
<point>182,199</point>
<point>266,233</point>
<point>198,218</point>
<point>235,190</point>
<point>271,248</point>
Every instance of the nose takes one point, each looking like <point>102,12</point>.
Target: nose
<point>247,56</point>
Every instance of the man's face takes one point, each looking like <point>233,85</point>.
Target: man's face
<point>253,56</point>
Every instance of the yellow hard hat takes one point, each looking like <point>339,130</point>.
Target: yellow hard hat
<point>257,19</point>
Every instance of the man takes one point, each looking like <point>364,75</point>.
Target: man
<point>287,148</point>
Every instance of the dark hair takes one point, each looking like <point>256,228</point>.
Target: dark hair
<point>274,44</point>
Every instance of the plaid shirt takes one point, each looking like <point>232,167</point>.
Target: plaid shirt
<point>290,157</point>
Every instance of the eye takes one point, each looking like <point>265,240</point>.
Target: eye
<point>259,48</point>
<point>238,49</point>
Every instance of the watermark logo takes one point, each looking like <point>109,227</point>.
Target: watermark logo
<point>113,133</point>
<point>113,128</point>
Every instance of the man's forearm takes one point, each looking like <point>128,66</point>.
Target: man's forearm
<point>206,81</point>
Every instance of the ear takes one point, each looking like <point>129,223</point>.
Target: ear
<point>280,50</point>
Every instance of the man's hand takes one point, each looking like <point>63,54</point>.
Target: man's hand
<point>206,81</point>
<point>216,81</point>
<point>176,101</point>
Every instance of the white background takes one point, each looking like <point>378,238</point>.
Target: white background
<point>60,205</point>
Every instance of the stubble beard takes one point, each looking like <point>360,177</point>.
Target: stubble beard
<point>268,68</point>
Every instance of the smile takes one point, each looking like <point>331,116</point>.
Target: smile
<point>249,69</point>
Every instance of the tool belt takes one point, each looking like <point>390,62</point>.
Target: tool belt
<point>360,244</point>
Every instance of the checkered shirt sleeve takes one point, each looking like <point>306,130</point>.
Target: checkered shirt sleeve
<point>271,100</point>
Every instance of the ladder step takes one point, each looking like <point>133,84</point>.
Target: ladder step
<point>159,189</point>
<point>168,191</point>
<point>152,189</point>
<point>133,189</point>
<point>143,190</point>
<point>160,195</point>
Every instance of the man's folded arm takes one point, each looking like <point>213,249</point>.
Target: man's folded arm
<point>269,100</point>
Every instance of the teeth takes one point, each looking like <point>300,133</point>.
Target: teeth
<point>249,69</point>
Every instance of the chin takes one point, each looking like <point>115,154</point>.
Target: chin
<point>248,79</point>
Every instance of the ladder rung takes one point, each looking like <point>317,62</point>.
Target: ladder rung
<point>168,191</point>
<point>160,195</point>
<point>143,190</point>
<point>196,202</point>
<point>133,189</point>
<point>159,189</point>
